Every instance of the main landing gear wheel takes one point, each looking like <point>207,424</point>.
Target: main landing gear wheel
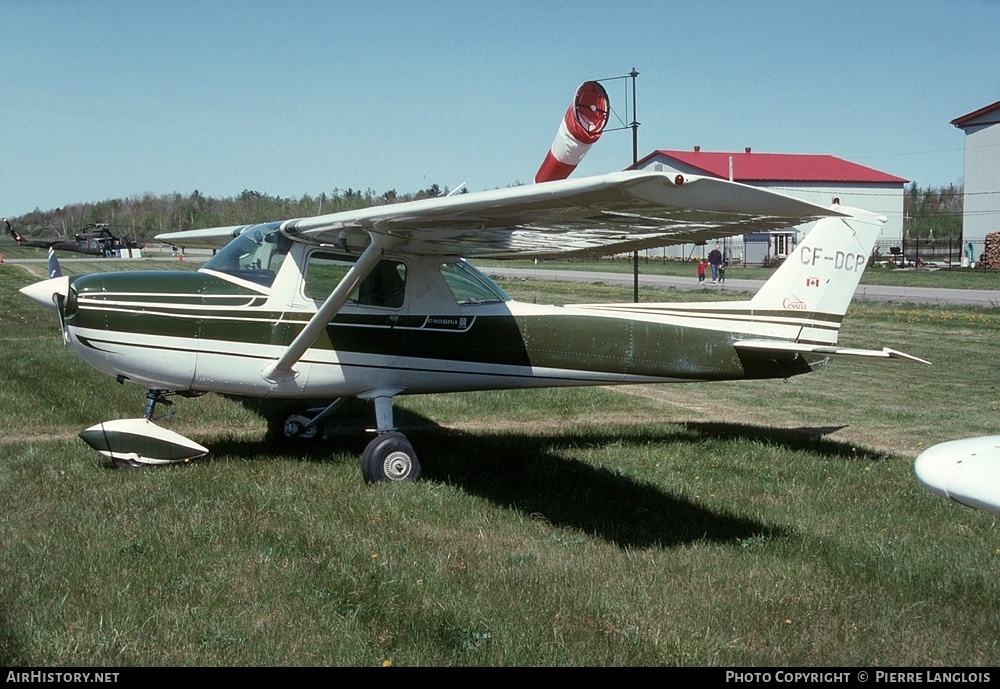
<point>390,457</point>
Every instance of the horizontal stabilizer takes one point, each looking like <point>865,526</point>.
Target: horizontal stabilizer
<point>799,347</point>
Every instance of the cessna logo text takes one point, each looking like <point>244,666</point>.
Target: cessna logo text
<point>841,260</point>
<point>447,323</point>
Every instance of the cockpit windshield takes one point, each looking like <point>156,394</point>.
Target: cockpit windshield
<point>255,255</point>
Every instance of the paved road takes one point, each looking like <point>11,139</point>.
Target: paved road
<point>913,295</point>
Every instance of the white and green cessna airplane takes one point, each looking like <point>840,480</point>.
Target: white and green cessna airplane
<point>381,302</point>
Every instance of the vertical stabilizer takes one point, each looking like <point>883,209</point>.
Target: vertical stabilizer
<point>818,280</point>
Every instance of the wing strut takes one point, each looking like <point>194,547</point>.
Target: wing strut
<point>282,368</point>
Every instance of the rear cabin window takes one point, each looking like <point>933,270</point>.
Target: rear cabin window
<point>386,286</point>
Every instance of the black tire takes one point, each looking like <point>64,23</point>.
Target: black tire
<point>390,457</point>
<point>286,427</point>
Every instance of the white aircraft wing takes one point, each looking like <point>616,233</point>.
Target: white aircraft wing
<point>621,211</point>
<point>209,238</point>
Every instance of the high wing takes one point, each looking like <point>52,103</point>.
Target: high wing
<point>209,238</point>
<point>621,211</point>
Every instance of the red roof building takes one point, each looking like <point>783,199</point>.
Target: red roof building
<point>819,179</point>
<point>753,168</point>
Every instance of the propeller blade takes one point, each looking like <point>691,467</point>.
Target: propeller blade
<point>60,300</point>
<point>54,270</point>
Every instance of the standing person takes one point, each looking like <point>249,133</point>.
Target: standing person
<point>715,260</point>
<point>722,272</point>
<point>701,270</point>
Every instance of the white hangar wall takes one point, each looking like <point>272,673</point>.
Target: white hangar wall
<point>981,214</point>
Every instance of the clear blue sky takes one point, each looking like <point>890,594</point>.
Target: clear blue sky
<point>107,99</point>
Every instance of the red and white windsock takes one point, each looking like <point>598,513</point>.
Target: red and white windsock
<point>579,129</point>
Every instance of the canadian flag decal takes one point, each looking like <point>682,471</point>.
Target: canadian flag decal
<point>812,282</point>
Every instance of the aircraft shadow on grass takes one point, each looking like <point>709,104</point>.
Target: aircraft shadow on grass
<point>812,438</point>
<point>530,473</point>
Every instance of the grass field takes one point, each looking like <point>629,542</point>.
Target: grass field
<point>755,523</point>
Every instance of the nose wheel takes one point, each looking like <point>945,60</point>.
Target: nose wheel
<point>294,427</point>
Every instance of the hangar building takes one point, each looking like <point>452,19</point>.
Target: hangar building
<point>816,178</point>
<point>981,210</point>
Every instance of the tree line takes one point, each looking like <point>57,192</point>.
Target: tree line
<point>927,212</point>
<point>933,212</point>
<point>143,217</point>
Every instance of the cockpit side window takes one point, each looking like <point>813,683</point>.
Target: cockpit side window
<point>469,286</point>
<point>385,286</point>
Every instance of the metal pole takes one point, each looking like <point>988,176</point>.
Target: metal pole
<point>635,160</point>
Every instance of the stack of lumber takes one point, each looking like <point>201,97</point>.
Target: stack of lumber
<point>991,254</point>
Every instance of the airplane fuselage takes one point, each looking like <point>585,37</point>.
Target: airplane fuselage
<point>216,331</point>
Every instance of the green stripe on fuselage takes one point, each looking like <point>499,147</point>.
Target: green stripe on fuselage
<point>630,347</point>
<point>569,341</point>
<point>171,282</point>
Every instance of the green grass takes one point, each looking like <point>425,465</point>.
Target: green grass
<point>738,524</point>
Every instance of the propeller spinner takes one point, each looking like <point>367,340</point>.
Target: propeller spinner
<point>52,293</point>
